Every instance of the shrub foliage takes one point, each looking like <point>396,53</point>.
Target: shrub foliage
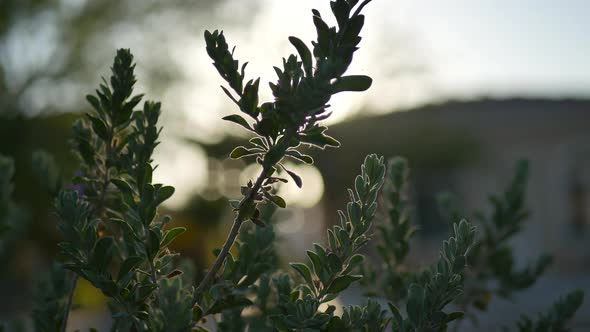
<point>114,237</point>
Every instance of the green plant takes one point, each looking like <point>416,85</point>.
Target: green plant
<point>556,317</point>
<point>393,240</point>
<point>490,259</point>
<point>114,237</point>
<point>493,270</point>
<point>301,96</point>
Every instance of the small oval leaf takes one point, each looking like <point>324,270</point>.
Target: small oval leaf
<point>239,120</point>
<point>296,178</point>
<point>164,193</point>
<point>352,83</point>
<point>241,152</point>
<point>170,235</point>
<point>341,283</point>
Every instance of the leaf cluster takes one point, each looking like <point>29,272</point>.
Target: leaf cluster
<point>331,268</point>
<point>392,277</point>
<point>493,260</point>
<point>556,317</point>
<point>300,101</point>
<point>301,94</point>
<point>463,276</point>
<point>112,235</point>
<point>244,276</point>
<point>438,286</point>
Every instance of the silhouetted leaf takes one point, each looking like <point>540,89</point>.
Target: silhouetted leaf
<point>170,235</point>
<point>341,283</point>
<point>239,120</point>
<point>352,83</point>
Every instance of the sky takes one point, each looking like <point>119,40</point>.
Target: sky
<point>420,51</point>
<point>417,51</point>
<point>504,47</point>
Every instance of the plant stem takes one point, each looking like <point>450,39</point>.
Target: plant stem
<point>235,228</point>
<point>69,303</point>
<point>233,233</point>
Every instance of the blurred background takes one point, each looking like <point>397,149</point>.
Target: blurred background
<point>461,88</point>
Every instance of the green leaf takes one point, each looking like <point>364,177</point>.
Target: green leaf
<point>224,304</point>
<point>241,152</point>
<point>123,186</point>
<point>341,10</point>
<point>398,316</point>
<point>359,186</point>
<point>239,120</point>
<point>315,261</point>
<point>334,262</point>
<point>354,261</point>
<point>197,313</point>
<point>128,265</point>
<point>299,156</point>
<point>99,127</point>
<point>102,253</point>
<point>323,32</point>
<point>94,102</point>
<point>296,178</point>
<point>459,264</point>
<point>352,83</point>
<point>125,114</point>
<point>341,283</point>
<point>454,315</point>
<point>304,53</point>
<point>126,227</point>
<point>304,271</point>
<point>145,290</point>
<point>415,305</point>
<point>164,193</point>
<point>227,93</point>
<point>354,212</point>
<point>200,329</point>
<point>170,235</point>
<point>249,101</point>
<point>153,245</point>
<point>319,140</point>
<point>279,201</point>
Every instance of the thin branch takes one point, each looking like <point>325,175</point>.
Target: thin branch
<point>235,229</point>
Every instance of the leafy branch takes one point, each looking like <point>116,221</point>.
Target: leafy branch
<point>391,276</point>
<point>556,317</point>
<point>492,261</point>
<point>301,95</point>
<point>438,286</point>
<point>332,268</point>
<point>111,223</point>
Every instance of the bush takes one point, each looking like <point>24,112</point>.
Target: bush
<point>114,238</point>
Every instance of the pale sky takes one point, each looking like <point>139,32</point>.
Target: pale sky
<point>505,47</point>
<point>417,51</point>
<point>423,50</point>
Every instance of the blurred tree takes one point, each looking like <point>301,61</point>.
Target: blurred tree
<point>50,54</point>
<point>49,49</point>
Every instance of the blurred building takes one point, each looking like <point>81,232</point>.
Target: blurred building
<point>470,148</point>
